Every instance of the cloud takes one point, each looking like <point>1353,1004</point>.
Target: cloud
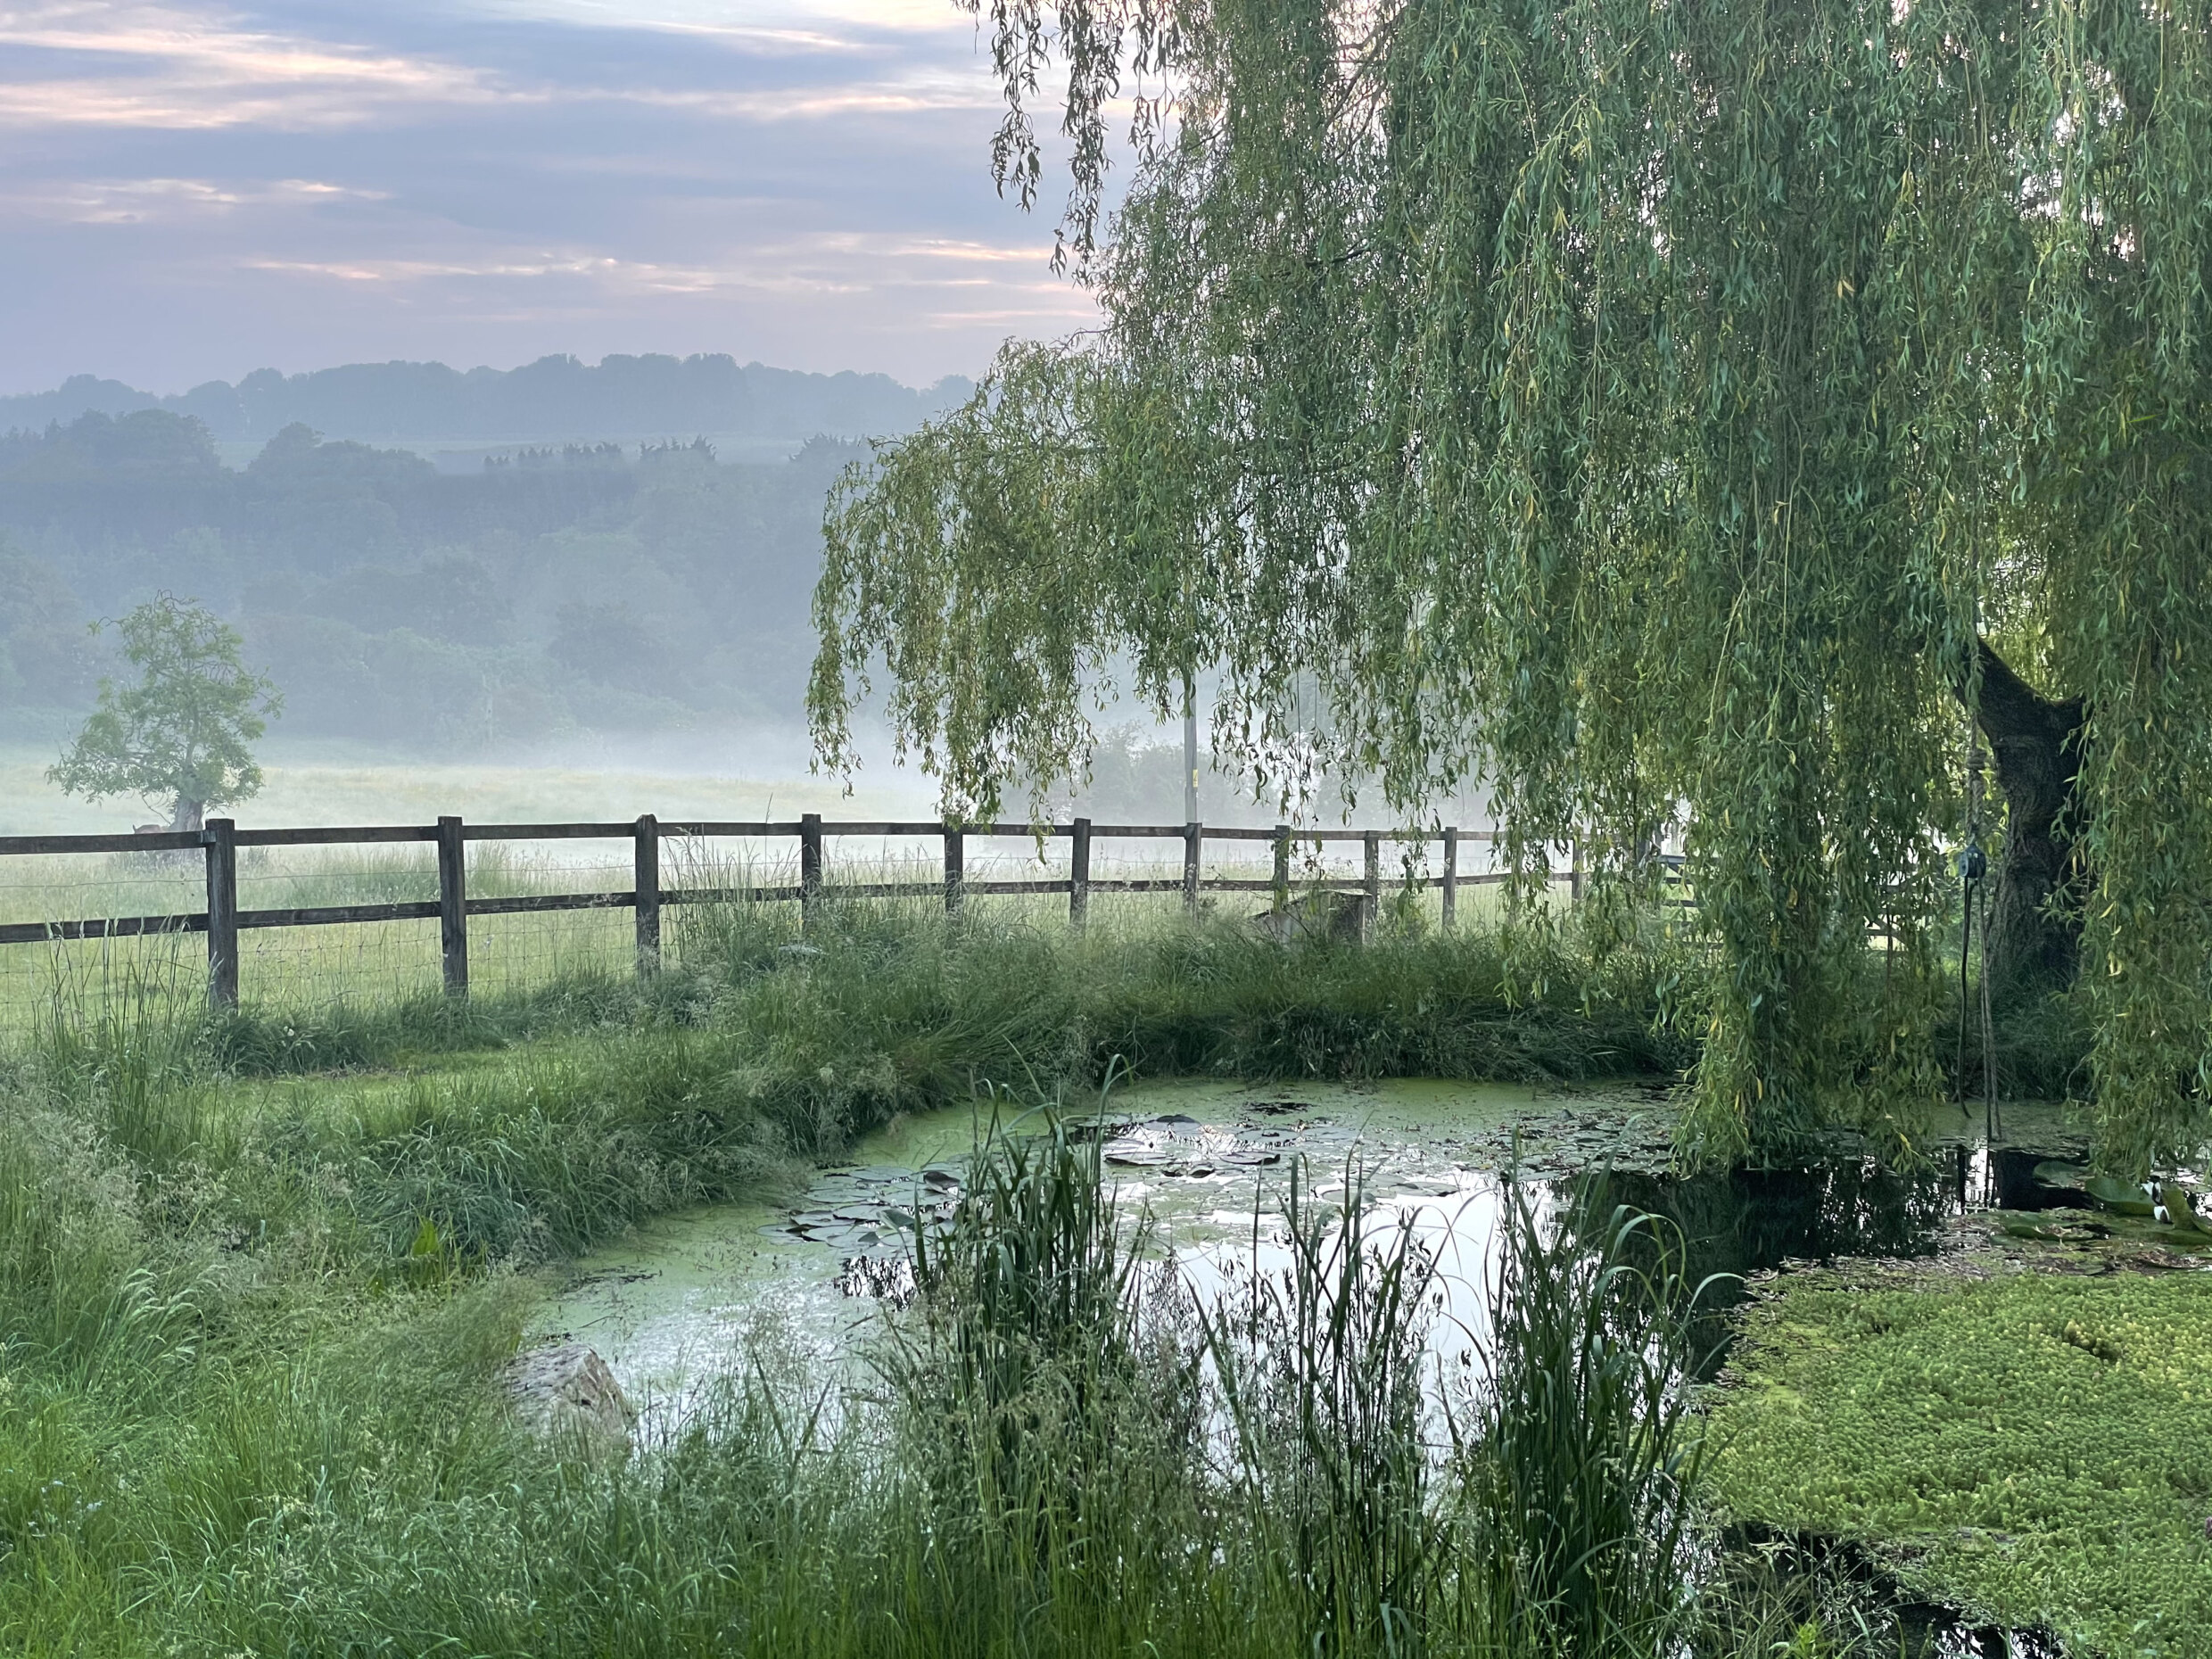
<point>197,188</point>
<point>146,201</point>
<point>838,263</point>
<point>161,66</point>
<point>776,19</point>
<point>166,66</point>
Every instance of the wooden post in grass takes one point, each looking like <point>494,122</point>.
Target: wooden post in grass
<point>810,863</point>
<point>1079,872</point>
<point>1190,833</point>
<point>222,903</point>
<point>452,907</point>
<point>1451,874</point>
<point>1282,868</point>
<point>1371,900</point>
<point>955,867</point>
<point>646,860</point>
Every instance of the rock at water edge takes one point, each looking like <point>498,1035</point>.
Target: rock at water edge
<point>566,1387</point>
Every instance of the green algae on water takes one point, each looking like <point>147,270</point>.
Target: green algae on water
<point>2035,1449</point>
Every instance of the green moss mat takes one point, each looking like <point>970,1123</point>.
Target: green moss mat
<point>2037,1448</point>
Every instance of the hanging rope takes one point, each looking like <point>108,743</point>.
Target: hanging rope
<point>1973,895</point>
<point>1973,864</point>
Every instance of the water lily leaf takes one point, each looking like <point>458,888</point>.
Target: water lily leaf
<point>2122,1198</point>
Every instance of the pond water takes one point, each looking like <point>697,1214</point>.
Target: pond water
<point>682,1301</point>
<point>692,1297</point>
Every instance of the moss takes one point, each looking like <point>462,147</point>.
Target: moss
<point>2036,1449</point>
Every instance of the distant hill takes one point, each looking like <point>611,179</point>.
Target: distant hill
<point>556,399</point>
<point>550,589</point>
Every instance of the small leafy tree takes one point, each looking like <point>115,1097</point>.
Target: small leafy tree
<point>184,732</point>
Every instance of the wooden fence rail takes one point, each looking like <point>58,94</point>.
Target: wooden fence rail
<point>223,921</point>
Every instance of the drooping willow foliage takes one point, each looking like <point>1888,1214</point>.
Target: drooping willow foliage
<point>1641,406</point>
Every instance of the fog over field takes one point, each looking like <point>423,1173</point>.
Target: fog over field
<point>568,590</point>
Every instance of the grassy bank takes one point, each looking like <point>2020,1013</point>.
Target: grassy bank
<point>875,1009</point>
<point>259,1274</point>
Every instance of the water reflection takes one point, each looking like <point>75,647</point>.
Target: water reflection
<point>1210,1163</point>
<point>685,1302</point>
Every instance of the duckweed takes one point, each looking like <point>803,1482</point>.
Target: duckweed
<point>2036,1449</point>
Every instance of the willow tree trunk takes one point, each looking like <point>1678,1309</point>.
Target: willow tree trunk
<point>2036,742</point>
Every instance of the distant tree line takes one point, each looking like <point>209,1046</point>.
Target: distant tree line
<point>577,586</point>
<point>554,397</point>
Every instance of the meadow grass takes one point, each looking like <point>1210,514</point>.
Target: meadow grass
<point>379,962</point>
<point>259,1274</point>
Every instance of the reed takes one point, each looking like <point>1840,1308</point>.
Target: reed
<point>253,1312</point>
<point>1318,1365</point>
<point>1580,1465</point>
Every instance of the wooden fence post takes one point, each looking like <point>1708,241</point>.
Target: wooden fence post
<point>1190,833</point>
<point>1451,874</point>
<point>1078,872</point>
<point>646,860</point>
<point>452,906</point>
<point>810,863</point>
<point>1371,901</point>
<point>222,903</point>
<point>1282,868</point>
<point>955,868</point>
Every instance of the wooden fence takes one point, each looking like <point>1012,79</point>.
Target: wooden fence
<point>222,920</point>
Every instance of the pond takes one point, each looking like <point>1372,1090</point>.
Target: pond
<point>672,1306</point>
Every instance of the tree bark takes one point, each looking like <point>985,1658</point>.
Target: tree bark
<point>189,815</point>
<point>2036,742</point>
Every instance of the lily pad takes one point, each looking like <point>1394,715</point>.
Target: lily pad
<point>2120,1197</point>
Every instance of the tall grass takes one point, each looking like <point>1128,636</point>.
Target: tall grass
<point>1319,1368</point>
<point>242,1413</point>
<point>1086,1435</point>
<point>1583,1457</point>
<point>944,999</point>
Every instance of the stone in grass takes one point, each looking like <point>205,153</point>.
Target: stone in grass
<point>564,1388</point>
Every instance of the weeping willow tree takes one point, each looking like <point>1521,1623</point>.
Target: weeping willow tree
<point>1718,411</point>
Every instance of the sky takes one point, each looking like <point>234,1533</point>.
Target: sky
<point>192,191</point>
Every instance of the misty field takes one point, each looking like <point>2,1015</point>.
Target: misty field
<point>299,968</point>
<point>270,1266</point>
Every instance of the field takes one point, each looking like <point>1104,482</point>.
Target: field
<point>262,1273</point>
<point>298,968</point>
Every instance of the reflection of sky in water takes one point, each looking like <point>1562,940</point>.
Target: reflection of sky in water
<point>697,1296</point>
<point>1454,1228</point>
<point>689,1297</point>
